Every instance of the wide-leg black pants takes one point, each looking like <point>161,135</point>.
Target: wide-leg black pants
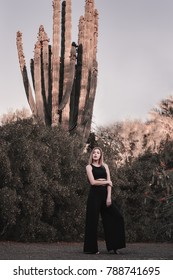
<point>113,222</point>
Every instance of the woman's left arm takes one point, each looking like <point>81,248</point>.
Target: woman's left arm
<point>109,188</point>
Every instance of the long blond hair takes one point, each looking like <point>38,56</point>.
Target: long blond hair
<point>101,156</point>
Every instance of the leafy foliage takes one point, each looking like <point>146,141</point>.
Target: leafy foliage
<point>40,183</point>
<point>43,186</point>
<point>143,190</point>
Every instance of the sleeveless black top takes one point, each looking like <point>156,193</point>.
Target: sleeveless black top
<point>99,172</point>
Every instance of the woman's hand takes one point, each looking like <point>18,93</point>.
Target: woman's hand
<point>108,201</point>
<point>109,183</point>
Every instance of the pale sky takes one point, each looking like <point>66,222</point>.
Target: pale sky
<point>135,53</point>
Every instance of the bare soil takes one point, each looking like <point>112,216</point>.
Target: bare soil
<point>74,251</point>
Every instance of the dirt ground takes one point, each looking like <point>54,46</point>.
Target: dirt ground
<point>73,251</point>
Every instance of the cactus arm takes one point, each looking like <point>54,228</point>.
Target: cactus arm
<point>83,82</point>
<point>87,120</point>
<point>45,66</point>
<point>55,62</point>
<point>69,84</point>
<point>95,35</point>
<point>50,84</point>
<point>37,79</point>
<point>86,64</point>
<point>61,79</point>
<point>68,63</point>
<point>88,81</point>
<point>44,40</point>
<point>74,101</point>
<point>88,112</point>
<point>32,72</point>
<point>24,73</point>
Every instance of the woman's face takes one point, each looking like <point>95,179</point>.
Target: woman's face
<point>96,154</point>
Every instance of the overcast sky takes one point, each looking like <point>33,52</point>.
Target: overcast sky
<point>135,53</point>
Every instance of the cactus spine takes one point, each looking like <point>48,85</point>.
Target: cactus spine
<point>64,75</point>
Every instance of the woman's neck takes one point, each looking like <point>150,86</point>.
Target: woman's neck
<point>96,163</point>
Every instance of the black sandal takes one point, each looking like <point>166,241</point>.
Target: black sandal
<point>96,253</point>
<point>113,252</point>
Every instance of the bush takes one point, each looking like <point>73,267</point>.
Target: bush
<point>144,202</point>
<point>42,183</point>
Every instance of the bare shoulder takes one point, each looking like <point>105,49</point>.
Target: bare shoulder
<point>88,167</point>
<point>105,165</point>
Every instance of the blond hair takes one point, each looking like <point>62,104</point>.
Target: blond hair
<point>91,156</point>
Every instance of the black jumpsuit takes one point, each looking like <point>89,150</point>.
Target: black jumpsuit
<point>113,222</point>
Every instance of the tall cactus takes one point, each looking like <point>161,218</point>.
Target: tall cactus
<point>64,75</point>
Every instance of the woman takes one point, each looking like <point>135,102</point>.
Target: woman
<point>99,202</point>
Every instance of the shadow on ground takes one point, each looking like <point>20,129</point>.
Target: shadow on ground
<point>73,251</point>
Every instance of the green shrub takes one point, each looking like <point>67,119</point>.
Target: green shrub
<point>42,167</point>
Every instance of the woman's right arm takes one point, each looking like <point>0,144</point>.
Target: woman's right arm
<point>94,182</point>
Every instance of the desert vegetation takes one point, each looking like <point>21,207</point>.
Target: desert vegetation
<point>44,186</point>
